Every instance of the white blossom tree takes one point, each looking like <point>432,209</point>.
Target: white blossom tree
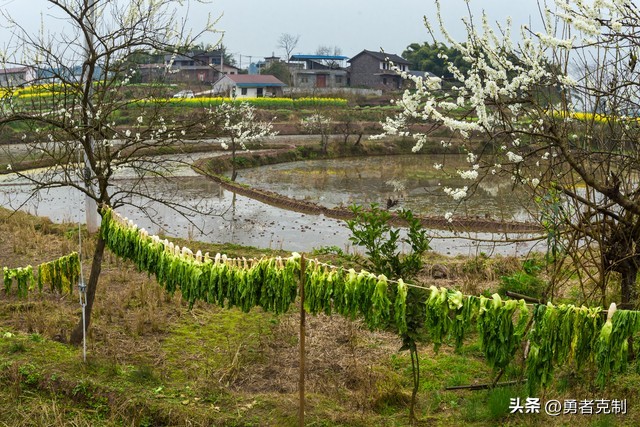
<point>557,106</point>
<point>240,126</point>
<point>318,124</point>
<point>77,105</point>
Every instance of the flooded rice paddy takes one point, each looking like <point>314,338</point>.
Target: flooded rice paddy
<point>410,180</point>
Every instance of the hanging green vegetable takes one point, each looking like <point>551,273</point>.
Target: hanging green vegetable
<point>23,277</point>
<point>437,320</point>
<point>613,341</point>
<point>499,335</point>
<point>400,307</point>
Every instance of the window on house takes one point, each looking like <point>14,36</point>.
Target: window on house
<point>339,80</point>
<point>260,93</point>
<point>384,80</point>
<point>243,91</point>
<point>304,79</point>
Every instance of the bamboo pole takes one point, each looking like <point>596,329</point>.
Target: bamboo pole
<point>302,338</point>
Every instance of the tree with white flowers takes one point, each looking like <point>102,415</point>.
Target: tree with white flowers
<point>76,116</point>
<point>240,126</point>
<point>558,108</point>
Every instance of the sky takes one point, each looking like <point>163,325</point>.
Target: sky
<point>252,27</point>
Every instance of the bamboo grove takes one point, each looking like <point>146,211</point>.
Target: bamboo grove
<point>60,275</point>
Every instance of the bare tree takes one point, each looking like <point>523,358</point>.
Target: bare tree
<point>288,43</point>
<point>78,106</point>
<point>559,111</point>
<point>329,51</point>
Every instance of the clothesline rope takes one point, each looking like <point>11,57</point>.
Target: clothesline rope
<point>236,260</point>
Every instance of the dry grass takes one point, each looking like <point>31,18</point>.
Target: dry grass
<point>152,361</point>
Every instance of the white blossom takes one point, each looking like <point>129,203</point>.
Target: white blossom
<point>471,174</point>
<point>513,157</point>
<point>456,193</point>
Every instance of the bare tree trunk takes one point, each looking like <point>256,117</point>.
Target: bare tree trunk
<point>629,297</point>
<point>359,138</point>
<point>325,143</point>
<point>234,173</point>
<point>415,369</point>
<point>628,291</point>
<point>96,268</point>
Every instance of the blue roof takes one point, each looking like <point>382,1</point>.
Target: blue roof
<point>318,57</point>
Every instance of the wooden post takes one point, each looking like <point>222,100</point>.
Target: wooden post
<point>302,336</point>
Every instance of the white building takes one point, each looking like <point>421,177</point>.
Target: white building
<point>248,86</point>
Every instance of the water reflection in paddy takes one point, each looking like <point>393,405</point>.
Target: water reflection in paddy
<point>248,222</point>
<point>411,179</point>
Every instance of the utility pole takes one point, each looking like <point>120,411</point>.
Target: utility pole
<point>91,208</point>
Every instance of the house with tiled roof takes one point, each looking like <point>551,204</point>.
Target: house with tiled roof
<point>192,68</point>
<point>248,86</point>
<point>17,76</point>
<point>370,69</point>
<point>318,71</point>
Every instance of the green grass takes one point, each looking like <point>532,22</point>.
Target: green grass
<point>218,346</point>
<point>153,362</point>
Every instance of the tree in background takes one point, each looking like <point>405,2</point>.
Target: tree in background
<point>288,43</point>
<point>240,126</point>
<point>558,107</point>
<point>318,124</point>
<point>280,70</point>
<point>220,47</point>
<point>435,57</point>
<point>77,107</point>
<point>329,51</point>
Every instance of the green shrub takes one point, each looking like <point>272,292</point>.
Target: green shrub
<point>371,230</point>
<point>525,282</point>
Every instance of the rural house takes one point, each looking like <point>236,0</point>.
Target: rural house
<point>204,67</point>
<point>248,86</point>
<point>371,69</point>
<point>318,71</point>
<point>18,76</point>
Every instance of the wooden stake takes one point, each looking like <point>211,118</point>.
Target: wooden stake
<point>302,336</point>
